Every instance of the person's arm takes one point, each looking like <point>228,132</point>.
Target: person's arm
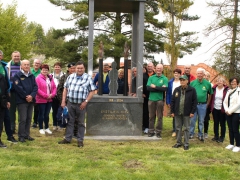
<point>64,96</point>
<point>60,88</point>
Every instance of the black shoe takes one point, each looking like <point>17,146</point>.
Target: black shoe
<point>2,145</point>
<point>215,139</point>
<point>29,138</point>
<point>12,139</point>
<point>34,125</point>
<point>220,140</point>
<point>201,138</point>
<point>186,148</point>
<point>80,144</point>
<point>22,140</point>
<point>64,141</point>
<point>191,137</point>
<point>151,134</point>
<point>176,146</point>
<point>158,135</point>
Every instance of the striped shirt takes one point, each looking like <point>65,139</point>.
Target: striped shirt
<point>79,87</point>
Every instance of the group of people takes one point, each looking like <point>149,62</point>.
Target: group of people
<point>187,97</point>
<point>36,89</point>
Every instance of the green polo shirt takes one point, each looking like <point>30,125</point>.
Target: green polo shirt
<point>203,89</point>
<point>158,81</point>
<point>35,73</point>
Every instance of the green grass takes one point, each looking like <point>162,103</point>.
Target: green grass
<point>45,159</point>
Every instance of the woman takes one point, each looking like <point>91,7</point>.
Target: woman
<point>216,107</point>
<point>46,92</point>
<point>172,84</point>
<point>121,81</point>
<point>57,74</point>
<point>232,109</point>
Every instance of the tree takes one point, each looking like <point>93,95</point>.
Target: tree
<point>225,29</point>
<point>177,43</point>
<point>113,29</point>
<point>15,34</point>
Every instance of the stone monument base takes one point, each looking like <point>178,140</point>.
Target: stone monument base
<point>114,116</point>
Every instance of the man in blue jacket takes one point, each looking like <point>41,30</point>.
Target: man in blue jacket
<point>105,79</point>
<point>26,89</point>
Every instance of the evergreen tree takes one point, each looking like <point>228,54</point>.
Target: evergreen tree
<point>113,29</point>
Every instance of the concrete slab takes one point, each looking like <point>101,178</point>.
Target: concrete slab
<point>123,138</point>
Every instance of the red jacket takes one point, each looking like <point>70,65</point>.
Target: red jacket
<point>42,95</point>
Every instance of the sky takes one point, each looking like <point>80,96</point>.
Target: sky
<point>49,15</point>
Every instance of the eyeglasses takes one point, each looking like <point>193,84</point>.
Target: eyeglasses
<point>182,79</point>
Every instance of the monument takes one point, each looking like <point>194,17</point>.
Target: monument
<point>113,114</point>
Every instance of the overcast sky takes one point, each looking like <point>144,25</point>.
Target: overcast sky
<point>48,15</point>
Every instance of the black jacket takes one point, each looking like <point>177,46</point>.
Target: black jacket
<point>190,103</point>
<point>24,86</point>
<point>4,95</point>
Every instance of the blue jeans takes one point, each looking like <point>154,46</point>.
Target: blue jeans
<point>43,114</point>
<point>200,112</point>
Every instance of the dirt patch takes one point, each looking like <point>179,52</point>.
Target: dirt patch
<point>133,164</point>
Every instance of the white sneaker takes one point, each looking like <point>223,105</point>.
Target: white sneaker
<point>55,128</point>
<point>230,147</point>
<point>48,131</point>
<point>42,131</point>
<point>146,131</point>
<point>236,149</point>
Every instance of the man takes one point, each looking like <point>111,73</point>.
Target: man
<point>105,79</point>
<point>35,70</point>
<point>134,81</point>
<point>204,92</point>
<point>157,85</point>
<point>146,75</point>
<point>183,106</point>
<point>13,67</point>
<point>187,71</point>
<point>26,89</point>
<point>172,84</point>
<point>7,122</point>
<point>78,90</point>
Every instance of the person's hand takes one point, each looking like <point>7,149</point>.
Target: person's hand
<point>143,95</point>
<point>29,98</point>
<point>50,96</point>
<point>172,114</point>
<point>191,115</point>
<point>153,86</point>
<point>83,105</point>
<point>168,105</point>
<point>8,105</point>
<point>227,113</point>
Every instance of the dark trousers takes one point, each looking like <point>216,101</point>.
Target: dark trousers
<point>233,128</point>
<point>35,115</point>
<point>219,118</point>
<point>43,116</point>
<point>182,121</point>
<point>75,114</point>
<point>145,114</point>
<point>2,112</point>
<point>155,109</point>
<point>13,109</point>
<point>25,116</point>
<point>173,125</point>
<point>55,106</point>
<point>206,120</point>
<point>7,123</point>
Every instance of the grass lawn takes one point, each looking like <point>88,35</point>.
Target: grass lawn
<point>45,159</point>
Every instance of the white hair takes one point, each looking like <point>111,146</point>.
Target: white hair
<point>201,70</point>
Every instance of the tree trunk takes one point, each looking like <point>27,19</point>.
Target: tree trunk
<point>233,45</point>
